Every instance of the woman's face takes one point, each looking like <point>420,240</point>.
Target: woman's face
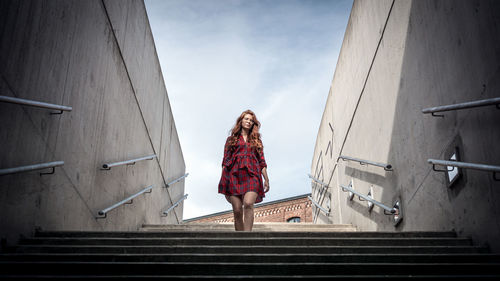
<point>247,121</point>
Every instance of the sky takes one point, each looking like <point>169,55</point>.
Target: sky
<point>222,57</point>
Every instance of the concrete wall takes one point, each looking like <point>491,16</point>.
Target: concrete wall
<point>98,57</point>
<point>397,58</point>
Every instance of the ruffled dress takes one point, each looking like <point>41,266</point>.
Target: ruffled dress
<point>242,170</point>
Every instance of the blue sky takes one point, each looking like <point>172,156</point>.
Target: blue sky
<point>221,57</point>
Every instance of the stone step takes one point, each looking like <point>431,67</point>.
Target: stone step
<point>232,233</point>
<point>242,277</point>
<point>236,249</point>
<point>256,257</point>
<point>193,229</point>
<point>235,269</point>
<point>252,241</point>
<point>256,227</point>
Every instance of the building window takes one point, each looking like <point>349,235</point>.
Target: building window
<point>294,219</point>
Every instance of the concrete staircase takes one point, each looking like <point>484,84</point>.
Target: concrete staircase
<point>270,251</point>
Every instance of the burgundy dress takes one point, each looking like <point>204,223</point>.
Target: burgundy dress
<point>242,170</point>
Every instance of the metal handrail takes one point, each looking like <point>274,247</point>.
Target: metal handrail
<point>327,212</point>
<point>32,167</point>
<point>35,103</point>
<point>176,180</point>
<point>108,166</point>
<point>464,105</point>
<point>318,181</point>
<point>130,198</point>
<point>390,210</point>
<point>387,167</point>
<point>464,165</point>
<point>175,205</point>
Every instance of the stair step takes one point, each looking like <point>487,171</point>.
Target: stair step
<point>260,225</point>
<point>232,233</point>
<point>240,277</point>
<point>251,241</point>
<point>235,269</point>
<point>256,227</point>
<point>153,249</point>
<point>256,257</point>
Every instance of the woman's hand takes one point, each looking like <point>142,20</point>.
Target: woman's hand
<point>266,186</point>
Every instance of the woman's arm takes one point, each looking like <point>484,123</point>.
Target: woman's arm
<point>226,160</point>
<point>266,178</point>
<point>263,168</point>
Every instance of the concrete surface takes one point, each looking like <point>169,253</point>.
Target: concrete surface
<point>98,57</point>
<point>397,58</point>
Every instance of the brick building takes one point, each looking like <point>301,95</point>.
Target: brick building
<point>291,209</point>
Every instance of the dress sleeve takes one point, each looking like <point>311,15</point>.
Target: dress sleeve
<point>227,160</point>
<point>262,160</point>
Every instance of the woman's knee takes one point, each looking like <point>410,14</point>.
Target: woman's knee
<point>248,204</point>
<point>249,200</point>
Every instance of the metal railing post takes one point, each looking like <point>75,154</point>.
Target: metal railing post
<point>464,105</point>
<point>175,205</point>
<point>108,166</point>
<point>324,185</point>
<point>326,211</point>
<point>35,104</point>
<point>103,213</point>
<point>395,211</point>
<point>387,167</point>
<point>176,180</point>
<point>465,165</point>
<point>32,168</point>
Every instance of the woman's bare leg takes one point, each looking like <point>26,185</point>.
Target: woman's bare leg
<point>248,202</point>
<point>237,211</point>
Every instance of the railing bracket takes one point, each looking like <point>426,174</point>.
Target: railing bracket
<point>49,173</point>
<point>370,195</point>
<point>398,214</point>
<point>102,216</point>
<point>441,170</point>
<point>350,194</point>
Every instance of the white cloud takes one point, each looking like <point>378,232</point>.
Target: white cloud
<point>220,58</point>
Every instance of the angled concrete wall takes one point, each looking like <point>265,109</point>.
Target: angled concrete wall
<point>99,58</point>
<point>397,58</point>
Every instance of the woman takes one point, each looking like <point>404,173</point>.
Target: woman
<point>242,168</point>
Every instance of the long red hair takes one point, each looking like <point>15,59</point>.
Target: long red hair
<point>254,136</point>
